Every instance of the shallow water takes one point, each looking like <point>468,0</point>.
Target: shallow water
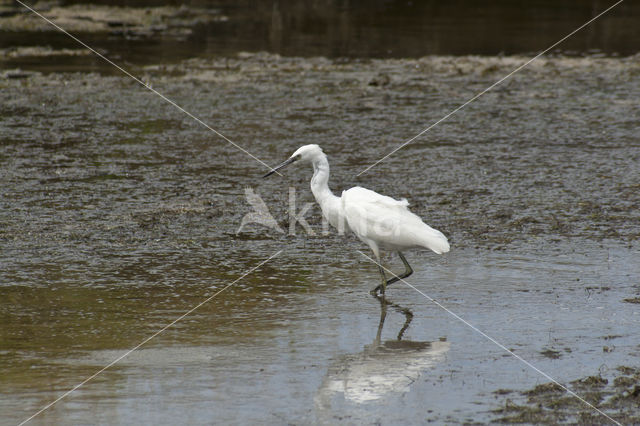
<point>143,32</point>
<point>256,354</point>
<point>119,214</point>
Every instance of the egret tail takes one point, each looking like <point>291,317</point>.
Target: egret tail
<point>433,240</point>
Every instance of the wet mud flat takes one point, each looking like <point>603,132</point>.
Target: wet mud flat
<point>144,33</point>
<point>118,213</point>
<point>548,403</point>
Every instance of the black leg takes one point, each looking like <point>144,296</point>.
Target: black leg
<point>383,313</point>
<point>408,317</point>
<point>384,282</point>
<point>407,268</point>
<point>407,271</point>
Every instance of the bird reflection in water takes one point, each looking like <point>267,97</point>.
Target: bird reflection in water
<point>382,368</point>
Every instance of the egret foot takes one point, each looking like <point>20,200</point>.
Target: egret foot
<point>382,286</point>
<point>408,271</point>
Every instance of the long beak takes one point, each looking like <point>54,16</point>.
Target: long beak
<point>275,169</point>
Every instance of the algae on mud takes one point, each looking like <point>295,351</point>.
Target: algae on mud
<point>549,404</point>
<point>118,214</point>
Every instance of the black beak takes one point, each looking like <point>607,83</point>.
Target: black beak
<point>286,163</point>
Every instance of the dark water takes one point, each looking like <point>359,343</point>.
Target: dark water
<point>118,214</point>
<point>396,29</point>
<point>351,29</point>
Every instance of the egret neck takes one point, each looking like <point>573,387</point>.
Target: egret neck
<point>329,203</point>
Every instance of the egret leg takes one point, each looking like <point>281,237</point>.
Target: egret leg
<point>382,286</point>
<point>376,251</point>
<point>383,313</point>
<point>407,268</point>
<point>408,317</point>
<point>407,271</point>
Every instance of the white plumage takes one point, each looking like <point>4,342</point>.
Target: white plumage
<point>380,221</point>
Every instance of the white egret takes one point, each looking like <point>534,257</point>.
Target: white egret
<point>380,221</point>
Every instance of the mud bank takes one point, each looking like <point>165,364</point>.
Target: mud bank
<point>119,213</point>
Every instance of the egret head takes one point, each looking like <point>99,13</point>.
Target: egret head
<point>306,153</point>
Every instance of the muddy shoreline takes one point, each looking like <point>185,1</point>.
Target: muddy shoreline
<point>118,213</point>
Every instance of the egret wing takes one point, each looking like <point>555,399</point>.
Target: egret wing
<point>388,222</point>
